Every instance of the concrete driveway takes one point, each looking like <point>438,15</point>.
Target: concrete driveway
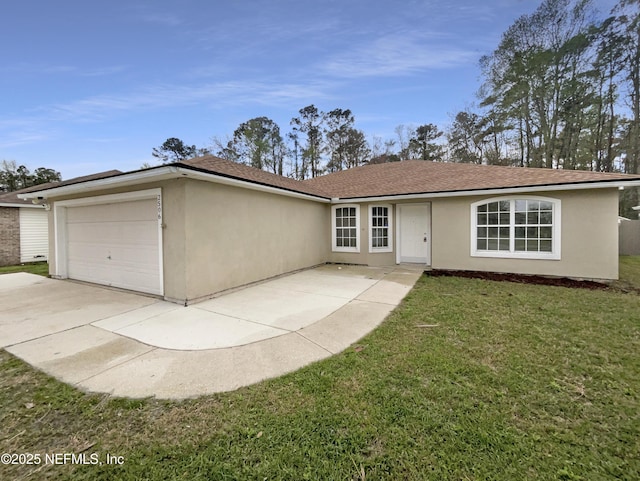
<point>105,340</point>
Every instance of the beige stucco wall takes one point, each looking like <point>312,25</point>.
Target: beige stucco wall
<point>237,236</point>
<point>589,234</point>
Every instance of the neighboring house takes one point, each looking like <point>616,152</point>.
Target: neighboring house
<point>23,230</point>
<point>188,230</point>
<point>24,224</point>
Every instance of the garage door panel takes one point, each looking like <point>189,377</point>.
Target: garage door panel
<point>116,212</point>
<point>114,275</point>
<point>111,232</point>
<point>115,244</point>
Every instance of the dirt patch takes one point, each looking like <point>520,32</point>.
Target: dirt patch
<point>520,278</point>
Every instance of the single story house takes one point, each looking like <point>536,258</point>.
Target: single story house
<point>188,230</point>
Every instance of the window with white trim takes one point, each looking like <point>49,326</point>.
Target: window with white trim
<point>520,227</point>
<point>380,237</point>
<point>346,228</point>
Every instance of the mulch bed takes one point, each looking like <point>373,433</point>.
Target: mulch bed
<point>520,278</point>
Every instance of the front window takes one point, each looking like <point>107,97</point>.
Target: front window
<point>346,226</point>
<point>516,227</point>
<point>380,238</point>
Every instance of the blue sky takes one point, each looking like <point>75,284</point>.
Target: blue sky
<point>92,86</point>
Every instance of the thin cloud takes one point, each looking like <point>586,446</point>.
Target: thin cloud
<point>396,55</point>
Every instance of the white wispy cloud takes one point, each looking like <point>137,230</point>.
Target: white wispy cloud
<point>396,55</point>
<point>30,69</point>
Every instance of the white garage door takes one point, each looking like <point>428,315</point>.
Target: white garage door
<point>115,244</point>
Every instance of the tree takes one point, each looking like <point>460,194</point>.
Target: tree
<point>338,126</point>
<point>404,135</point>
<point>309,124</point>
<point>258,143</point>
<point>466,138</point>
<point>423,146</point>
<point>15,177</point>
<point>356,150</point>
<point>174,150</point>
<point>536,81</point>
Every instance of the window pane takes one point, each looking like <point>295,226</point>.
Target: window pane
<point>374,242</point>
<point>521,218</point>
<point>482,244</point>
<point>545,246</point>
<point>545,232</point>
<point>521,205</point>
<point>482,219</point>
<point>339,241</point>
<point>532,245</point>
<point>546,206</point>
<point>493,232</point>
<point>532,232</point>
<point>482,208</point>
<point>493,207</point>
<point>533,218</point>
<point>505,205</point>
<point>546,217</point>
<point>352,233</point>
<point>338,222</point>
<point>482,232</point>
<point>520,244</point>
<point>533,205</point>
<point>352,211</point>
<point>519,232</point>
<point>504,244</point>
<point>504,232</point>
<point>492,244</point>
<point>493,219</point>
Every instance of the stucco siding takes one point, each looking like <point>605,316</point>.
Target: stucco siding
<point>237,236</point>
<point>9,236</point>
<point>589,237</point>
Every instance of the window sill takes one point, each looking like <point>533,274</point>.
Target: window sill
<point>346,249</point>
<point>518,255</point>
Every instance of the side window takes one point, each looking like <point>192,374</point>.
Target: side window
<point>346,228</point>
<point>380,233</point>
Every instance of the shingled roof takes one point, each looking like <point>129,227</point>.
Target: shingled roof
<point>405,178</point>
<point>234,170</point>
<point>424,177</point>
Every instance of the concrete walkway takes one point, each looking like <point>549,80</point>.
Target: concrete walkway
<point>125,344</point>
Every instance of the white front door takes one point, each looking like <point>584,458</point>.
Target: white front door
<point>414,233</point>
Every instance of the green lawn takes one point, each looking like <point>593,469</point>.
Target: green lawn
<point>508,382</point>
<point>40,268</point>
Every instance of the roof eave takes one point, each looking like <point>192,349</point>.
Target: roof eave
<point>619,184</point>
<point>158,174</point>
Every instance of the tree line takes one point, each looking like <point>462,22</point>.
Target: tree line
<point>561,90</point>
<point>15,177</point>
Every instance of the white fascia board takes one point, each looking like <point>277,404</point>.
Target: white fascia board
<point>160,173</point>
<point>509,190</point>
<point>22,206</point>
<point>120,180</point>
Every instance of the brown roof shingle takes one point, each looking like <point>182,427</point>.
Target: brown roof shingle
<point>422,177</point>
<point>234,170</point>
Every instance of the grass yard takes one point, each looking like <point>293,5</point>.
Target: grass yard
<point>467,380</point>
<point>40,268</point>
